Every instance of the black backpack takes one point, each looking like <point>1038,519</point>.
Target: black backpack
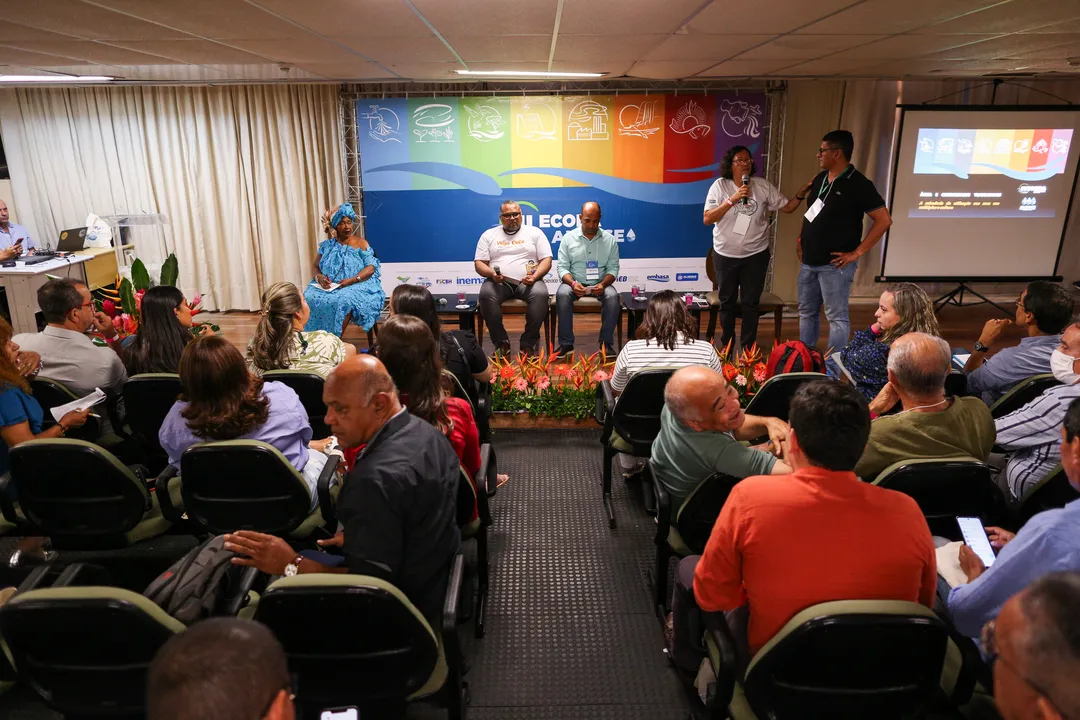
<point>198,584</point>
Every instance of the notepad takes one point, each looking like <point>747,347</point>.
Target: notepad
<point>332,288</point>
<point>948,564</point>
<point>83,403</point>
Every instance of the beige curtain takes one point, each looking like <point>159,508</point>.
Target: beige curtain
<point>243,173</point>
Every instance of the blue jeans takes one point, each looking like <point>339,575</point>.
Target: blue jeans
<point>609,314</point>
<point>825,284</point>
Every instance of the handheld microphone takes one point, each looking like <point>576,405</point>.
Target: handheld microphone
<point>496,269</point>
<point>745,182</point>
<point>442,301</point>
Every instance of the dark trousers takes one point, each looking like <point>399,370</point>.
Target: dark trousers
<point>689,622</point>
<point>741,282</point>
<point>493,295</point>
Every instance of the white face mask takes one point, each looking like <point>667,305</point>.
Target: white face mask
<point>1062,367</point>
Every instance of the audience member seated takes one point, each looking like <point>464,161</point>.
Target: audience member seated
<point>20,420</point>
<point>347,282</point>
<point>411,356</point>
<point>458,349</point>
<point>1035,649</point>
<point>221,400</point>
<point>1044,308</point>
<point>782,544</point>
<point>1048,542</point>
<point>280,342</point>
<point>1029,436</point>
<point>68,355</point>
<point>398,506</point>
<point>902,309</point>
<point>931,425</point>
<point>220,669</point>
<point>164,331</point>
<point>700,429</point>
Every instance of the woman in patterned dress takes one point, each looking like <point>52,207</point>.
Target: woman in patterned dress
<point>281,342</point>
<point>348,265</point>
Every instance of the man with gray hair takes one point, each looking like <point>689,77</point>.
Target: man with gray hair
<point>701,427</point>
<point>930,424</point>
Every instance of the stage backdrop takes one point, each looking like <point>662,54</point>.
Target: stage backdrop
<point>436,169</point>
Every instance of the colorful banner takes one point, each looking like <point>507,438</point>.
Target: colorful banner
<point>436,169</point>
<point>1027,155</point>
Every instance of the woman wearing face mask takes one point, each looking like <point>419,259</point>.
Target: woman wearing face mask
<point>1031,436</point>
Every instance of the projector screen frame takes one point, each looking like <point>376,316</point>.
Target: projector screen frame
<point>967,279</point>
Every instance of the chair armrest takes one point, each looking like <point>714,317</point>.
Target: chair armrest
<point>37,578</point>
<point>483,481</point>
<point>483,399</point>
<point>605,407</point>
<point>663,509</point>
<point>453,596</point>
<point>81,575</point>
<point>326,502</point>
<point>113,402</point>
<point>717,630</point>
<point>7,507</point>
<point>972,667</point>
<point>161,488</point>
<point>238,600</point>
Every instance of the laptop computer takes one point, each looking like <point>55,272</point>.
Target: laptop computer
<point>71,240</point>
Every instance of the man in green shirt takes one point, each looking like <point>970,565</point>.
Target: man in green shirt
<point>588,265</point>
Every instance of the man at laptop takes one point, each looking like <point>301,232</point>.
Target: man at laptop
<point>14,238</point>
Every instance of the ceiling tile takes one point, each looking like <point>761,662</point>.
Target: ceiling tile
<point>267,72</point>
<point>428,71</point>
<point>605,49</point>
<point>179,73</point>
<point>501,48</point>
<point>904,46</point>
<point>767,17</point>
<point>1058,53</point>
<point>218,19</point>
<point>393,49</point>
<point>195,51</point>
<point>625,17</point>
<point>744,68</point>
<point>93,52</point>
<point>890,16</point>
<point>1007,45</point>
<point>824,67</point>
<point>806,47</point>
<point>348,71</point>
<point>668,69</point>
<point>303,50</point>
<point>1066,26</point>
<point>368,18</point>
<point>89,21</point>
<point>11,32</point>
<point>17,70</point>
<point>14,56</point>
<point>1008,17</point>
<point>489,17</point>
<point>700,46</point>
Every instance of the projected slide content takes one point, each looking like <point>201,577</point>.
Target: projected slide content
<point>981,192</point>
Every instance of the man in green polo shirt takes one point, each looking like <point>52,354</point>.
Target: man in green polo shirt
<point>588,265</point>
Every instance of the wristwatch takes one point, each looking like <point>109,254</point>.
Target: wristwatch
<point>294,567</point>
<point>979,347</point>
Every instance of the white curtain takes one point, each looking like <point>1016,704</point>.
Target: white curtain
<point>243,173</point>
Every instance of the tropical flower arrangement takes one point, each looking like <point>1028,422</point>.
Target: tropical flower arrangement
<point>745,371</point>
<point>544,385</point>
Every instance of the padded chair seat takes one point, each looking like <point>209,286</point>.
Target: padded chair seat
<point>152,524</point>
<point>515,305</point>
<point>675,540</point>
<point>468,532</point>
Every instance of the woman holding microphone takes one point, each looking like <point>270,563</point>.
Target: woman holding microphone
<point>738,207</point>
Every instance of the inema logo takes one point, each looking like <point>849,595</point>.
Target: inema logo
<point>658,278</point>
<point>470,281</point>
<point>686,277</point>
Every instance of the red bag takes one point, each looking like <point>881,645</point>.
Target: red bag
<point>794,356</point>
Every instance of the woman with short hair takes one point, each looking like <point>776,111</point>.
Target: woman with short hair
<point>281,343</point>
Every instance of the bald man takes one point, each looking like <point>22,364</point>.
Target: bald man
<point>701,427</point>
<point>588,266</point>
<point>930,424</point>
<point>397,507</point>
<point>14,238</point>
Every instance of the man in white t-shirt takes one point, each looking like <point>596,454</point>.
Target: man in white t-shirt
<point>739,214</point>
<point>513,258</point>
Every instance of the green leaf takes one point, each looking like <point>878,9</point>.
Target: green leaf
<point>170,271</point>
<point>140,277</point>
<point>127,297</point>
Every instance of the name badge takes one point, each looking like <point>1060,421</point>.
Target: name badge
<point>813,211</point>
<point>742,224</point>
<point>592,270</point>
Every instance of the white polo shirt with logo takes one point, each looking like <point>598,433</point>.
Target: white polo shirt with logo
<point>514,254</point>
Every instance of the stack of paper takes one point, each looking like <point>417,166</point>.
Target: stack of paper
<point>84,403</point>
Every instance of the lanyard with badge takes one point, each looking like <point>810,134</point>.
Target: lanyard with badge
<point>742,220</point>
<point>592,267</point>
<point>823,194</point>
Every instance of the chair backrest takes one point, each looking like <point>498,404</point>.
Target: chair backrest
<point>1053,491</point>
<point>49,394</point>
<point>956,384</point>
<point>385,650</point>
<point>309,387</point>
<point>701,508</point>
<point>74,490</point>
<point>774,397</point>
<point>637,414</point>
<point>466,498</point>
<point>86,650</point>
<point>147,400</point>
<point>856,658</point>
<point>1022,393</point>
<point>946,488</point>
<point>243,485</point>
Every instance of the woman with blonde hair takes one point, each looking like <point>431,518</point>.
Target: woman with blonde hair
<point>280,342</point>
<point>903,308</point>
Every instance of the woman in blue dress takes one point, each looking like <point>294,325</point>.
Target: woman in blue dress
<point>349,262</point>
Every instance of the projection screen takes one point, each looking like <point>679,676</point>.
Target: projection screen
<point>981,193</point>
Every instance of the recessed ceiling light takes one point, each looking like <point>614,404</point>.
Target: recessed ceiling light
<point>62,79</point>
<point>530,73</point>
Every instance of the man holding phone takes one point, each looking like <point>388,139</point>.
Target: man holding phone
<point>14,238</point>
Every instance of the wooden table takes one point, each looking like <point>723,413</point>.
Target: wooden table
<point>466,318</point>
<point>100,268</point>
<point>21,284</point>
<point>635,310</point>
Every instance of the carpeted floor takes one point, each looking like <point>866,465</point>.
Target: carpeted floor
<point>571,634</point>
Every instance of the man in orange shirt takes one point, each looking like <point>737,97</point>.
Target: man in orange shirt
<point>786,542</point>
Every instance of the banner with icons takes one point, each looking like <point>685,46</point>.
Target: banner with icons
<point>436,169</point>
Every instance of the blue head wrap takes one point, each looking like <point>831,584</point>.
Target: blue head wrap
<point>345,211</point>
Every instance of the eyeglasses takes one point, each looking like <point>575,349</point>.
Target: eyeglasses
<point>1020,304</point>
<point>988,638</point>
<point>742,161</point>
<point>822,151</point>
<point>510,216</point>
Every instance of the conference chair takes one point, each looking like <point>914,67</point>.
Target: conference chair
<point>1053,491</point>
<point>479,399</point>
<point>50,394</point>
<point>586,306</point>
<point>148,397</point>
<point>851,658</point>
<point>956,384</point>
<point>768,303</point>
<point>689,531</point>
<point>386,654</point>
<point>1022,393</point>
<point>945,488</point>
<point>472,493</point>
<point>773,398</point>
<point>85,648</point>
<point>309,388</point>
<point>513,306</point>
<point>234,485</point>
<point>631,425</point>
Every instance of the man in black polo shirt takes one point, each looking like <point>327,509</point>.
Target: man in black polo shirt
<point>830,243</point>
<point>397,506</point>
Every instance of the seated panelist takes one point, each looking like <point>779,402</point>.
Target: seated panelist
<point>588,266</point>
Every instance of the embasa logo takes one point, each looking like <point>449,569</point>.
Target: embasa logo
<point>684,277</point>
<point>658,278</point>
